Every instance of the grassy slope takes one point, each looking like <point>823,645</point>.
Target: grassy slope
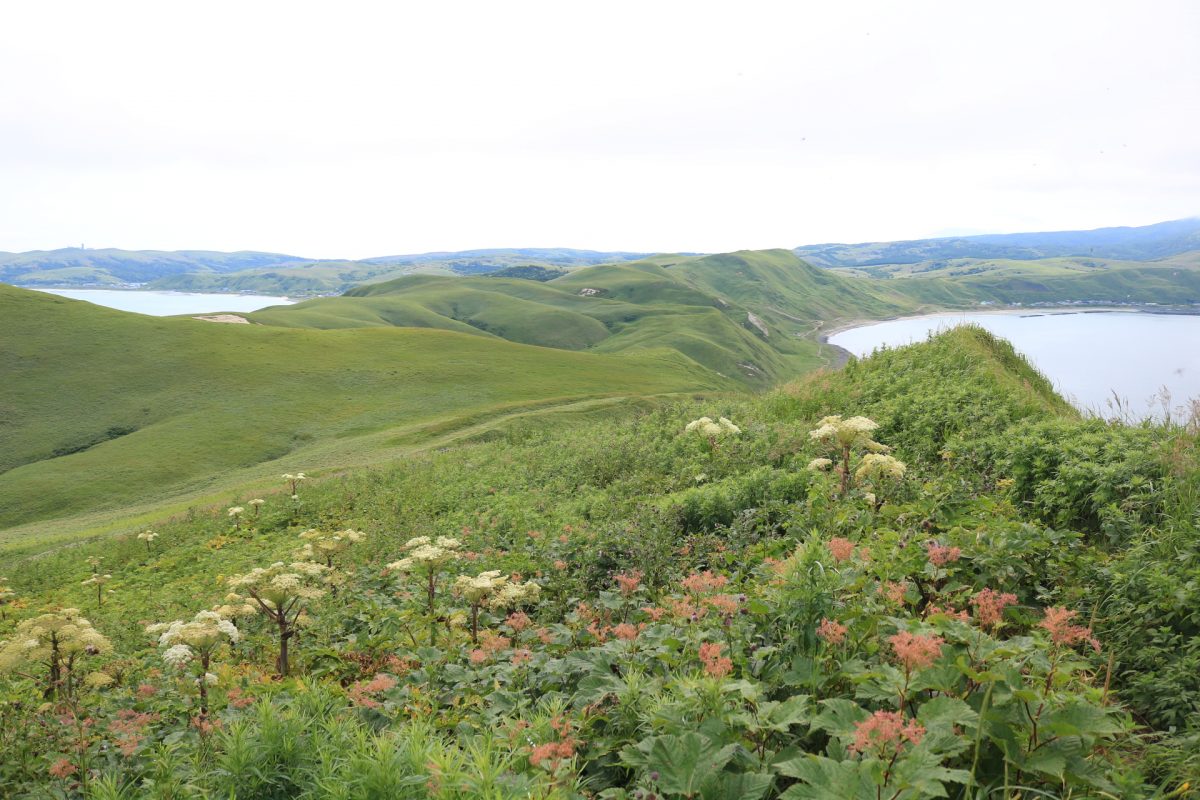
<point>157,407</point>
<point>698,306</point>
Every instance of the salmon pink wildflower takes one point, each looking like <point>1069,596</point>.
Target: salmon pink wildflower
<point>626,632</point>
<point>884,732</point>
<point>894,591</point>
<point>703,582</point>
<point>990,604</point>
<point>842,549</point>
<point>1058,622</point>
<point>714,663</point>
<point>831,632</point>
<point>940,554</point>
<point>628,582</point>
<point>518,621</point>
<point>916,651</point>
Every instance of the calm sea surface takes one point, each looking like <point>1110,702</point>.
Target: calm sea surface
<point>1090,357</point>
<point>165,304</point>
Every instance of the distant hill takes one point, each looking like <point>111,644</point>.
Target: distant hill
<point>1135,244</point>
<point>749,315</point>
<point>269,273</point>
<point>79,266</point>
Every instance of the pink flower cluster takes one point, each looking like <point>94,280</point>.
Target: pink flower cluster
<point>1058,621</point>
<point>940,554</point>
<point>842,549</point>
<point>831,632</point>
<point>916,651</point>
<point>628,582</point>
<point>703,582</point>
<point>990,604</point>
<point>885,731</point>
<point>715,664</point>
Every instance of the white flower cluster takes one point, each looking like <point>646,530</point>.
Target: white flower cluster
<point>97,580</point>
<point>820,464</point>
<point>853,432</point>
<point>147,536</point>
<point>427,553</point>
<point>36,639</point>
<point>327,545</point>
<point>236,511</point>
<point>875,466</point>
<point>477,589</point>
<point>235,606</point>
<point>279,584</point>
<point>706,427</point>
<point>207,631</point>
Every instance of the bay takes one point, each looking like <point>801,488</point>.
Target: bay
<point>165,304</point>
<point>1128,365</point>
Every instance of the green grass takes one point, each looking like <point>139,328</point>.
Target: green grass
<point>698,306</point>
<point>102,409</point>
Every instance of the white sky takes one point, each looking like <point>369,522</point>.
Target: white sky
<point>352,129</point>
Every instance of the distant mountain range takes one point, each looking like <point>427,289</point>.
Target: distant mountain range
<point>277,273</point>
<point>1144,243</point>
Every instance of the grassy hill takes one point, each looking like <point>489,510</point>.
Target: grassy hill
<point>748,315</point>
<point>1012,614</point>
<point>99,408</point>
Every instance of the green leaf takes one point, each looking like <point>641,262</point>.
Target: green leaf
<point>1080,719</point>
<point>824,779</point>
<point>740,786</point>
<point>683,763</point>
<point>839,717</point>
<point>947,712</point>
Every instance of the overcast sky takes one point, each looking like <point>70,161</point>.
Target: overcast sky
<point>355,129</point>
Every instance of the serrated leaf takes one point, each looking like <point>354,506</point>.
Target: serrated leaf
<point>683,763</point>
<point>839,717</point>
<point>739,786</point>
<point>823,779</point>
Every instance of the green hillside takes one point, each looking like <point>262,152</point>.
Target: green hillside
<point>750,315</point>
<point>99,408</point>
<point>1001,606</point>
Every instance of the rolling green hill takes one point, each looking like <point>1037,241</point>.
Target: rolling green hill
<point>99,408</point>
<point>747,315</point>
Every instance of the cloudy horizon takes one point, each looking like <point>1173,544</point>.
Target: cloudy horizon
<point>664,127</point>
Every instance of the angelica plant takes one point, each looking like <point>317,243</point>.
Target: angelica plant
<point>293,480</point>
<point>843,438</point>
<point>281,592</point>
<point>476,591</point>
<point>148,537</point>
<point>706,427</point>
<point>7,597</point>
<point>426,559</point>
<point>235,513</point>
<point>98,581</point>
<point>322,545</point>
<point>56,640</point>
<point>190,647</point>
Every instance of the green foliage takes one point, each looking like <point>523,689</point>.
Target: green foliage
<point>709,622</point>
